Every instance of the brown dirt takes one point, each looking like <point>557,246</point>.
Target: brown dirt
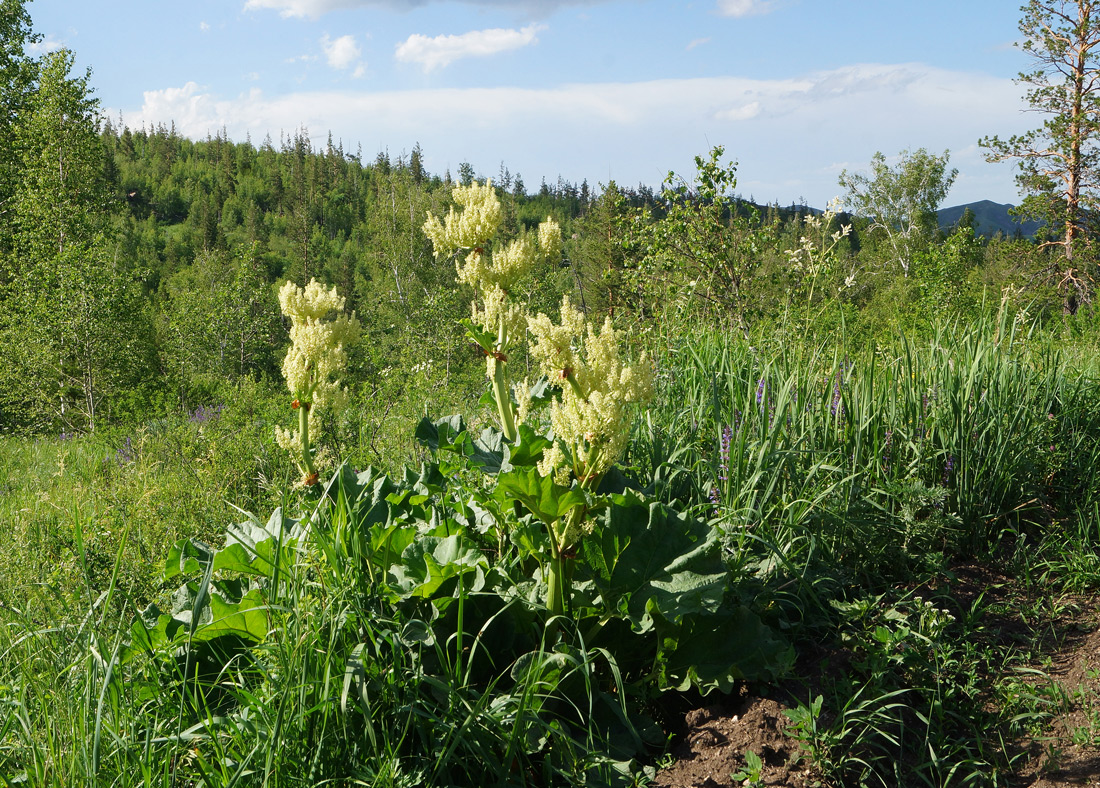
<point>713,739</point>
<point>712,748</point>
<point>1069,752</point>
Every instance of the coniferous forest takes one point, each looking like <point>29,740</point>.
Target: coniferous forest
<point>319,468</point>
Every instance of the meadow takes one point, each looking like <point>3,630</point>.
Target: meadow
<point>177,612</point>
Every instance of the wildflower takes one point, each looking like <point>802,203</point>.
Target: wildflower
<point>724,453</point>
<point>493,275</point>
<point>202,414</point>
<point>473,227</point>
<point>319,335</point>
<point>590,420</point>
<point>125,453</point>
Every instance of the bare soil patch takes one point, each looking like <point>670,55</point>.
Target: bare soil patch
<point>1062,634</point>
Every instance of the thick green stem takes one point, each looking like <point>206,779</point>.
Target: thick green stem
<point>558,591</point>
<point>555,580</point>
<point>504,400</point>
<point>303,433</point>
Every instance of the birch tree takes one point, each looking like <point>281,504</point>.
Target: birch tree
<point>901,201</point>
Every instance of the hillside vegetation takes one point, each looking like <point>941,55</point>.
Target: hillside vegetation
<point>328,470</point>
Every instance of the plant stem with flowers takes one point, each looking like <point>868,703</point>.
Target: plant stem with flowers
<point>590,420</point>
<point>496,320</point>
<point>319,335</point>
<point>591,424</point>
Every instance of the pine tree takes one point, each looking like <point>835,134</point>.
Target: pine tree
<point>1059,163</point>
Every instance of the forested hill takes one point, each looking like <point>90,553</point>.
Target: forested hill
<point>151,264</point>
<point>989,218</point>
<point>138,268</point>
<point>310,213</point>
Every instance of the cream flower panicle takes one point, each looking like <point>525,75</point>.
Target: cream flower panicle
<point>550,240</point>
<point>493,273</point>
<point>319,335</point>
<point>471,228</point>
<point>498,314</point>
<point>591,418</point>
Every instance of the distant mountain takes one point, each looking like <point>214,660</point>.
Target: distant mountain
<point>991,217</point>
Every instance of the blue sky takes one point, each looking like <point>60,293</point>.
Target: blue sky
<point>795,90</point>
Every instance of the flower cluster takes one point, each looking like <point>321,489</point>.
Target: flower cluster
<point>493,275</point>
<point>473,226</point>
<point>817,249</point>
<point>590,420</point>
<point>319,334</point>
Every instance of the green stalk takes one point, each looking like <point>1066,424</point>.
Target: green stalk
<point>504,401</point>
<point>555,579</point>
<point>303,432</point>
<point>557,592</point>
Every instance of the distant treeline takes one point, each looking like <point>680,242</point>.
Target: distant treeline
<point>138,267</point>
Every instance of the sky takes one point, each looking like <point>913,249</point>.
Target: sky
<point>795,91</point>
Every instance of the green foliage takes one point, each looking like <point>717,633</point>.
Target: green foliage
<point>220,319</point>
<point>73,328</point>
<point>704,246</point>
<point>1059,163</point>
<point>900,202</point>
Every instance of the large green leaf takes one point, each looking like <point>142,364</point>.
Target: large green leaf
<point>250,548</point>
<point>444,434</point>
<point>712,651</point>
<point>546,500</point>
<point>431,561</point>
<point>490,452</point>
<point>246,618</point>
<point>647,560</point>
<point>528,447</point>
<point>486,340</point>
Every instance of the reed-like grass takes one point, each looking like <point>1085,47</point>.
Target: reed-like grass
<point>878,453</point>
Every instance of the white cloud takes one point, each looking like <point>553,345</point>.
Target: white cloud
<point>315,8</point>
<point>440,51</point>
<point>696,43</point>
<point>739,8</point>
<point>786,133</point>
<point>743,112</point>
<point>341,52</point>
<point>203,26</point>
<point>47,44</point>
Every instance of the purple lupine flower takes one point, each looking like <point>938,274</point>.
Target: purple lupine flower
<point>948,467</point>
<point>837,406</point>
<point>887,444</point>
<point>723,467</point>
<point>761,387</point>
<point>125,452</point>
<point>714,501</point>
<point>201,414</point>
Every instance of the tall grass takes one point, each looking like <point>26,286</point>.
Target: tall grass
<point>878,453</point>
